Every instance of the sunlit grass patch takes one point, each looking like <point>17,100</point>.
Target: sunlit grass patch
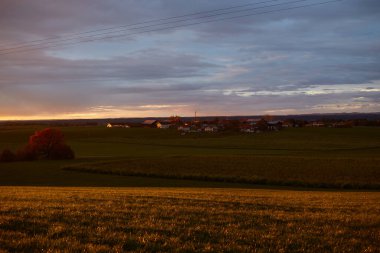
<point>187,220</point>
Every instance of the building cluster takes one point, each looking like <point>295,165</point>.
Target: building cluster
<point>208,126</point>
<point>244,125</point>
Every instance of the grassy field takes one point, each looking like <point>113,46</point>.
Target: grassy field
<point>187,220</point>
<point>135,142</point>
<point>194,193</point>
<point>307,157</point>
<point>348,173</point>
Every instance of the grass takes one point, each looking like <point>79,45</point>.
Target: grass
<point>185,193</point>
<point>348,173</point>
<point>137,142</point>
<point>49,173</point>
<point>187,220</point>
<point>307,157</point>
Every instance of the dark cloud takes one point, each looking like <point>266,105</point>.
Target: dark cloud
<point>152,89</point>
<point>145,65</point>
<point>255,64</point>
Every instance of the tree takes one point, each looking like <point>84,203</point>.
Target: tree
<point>175,119</point>
<point>262,125</point>
<point>268,117</point>
<point>49,144</point>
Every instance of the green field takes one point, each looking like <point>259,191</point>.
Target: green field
<point>297,157</point>
<point>187,220</point>
<point>152,190</point>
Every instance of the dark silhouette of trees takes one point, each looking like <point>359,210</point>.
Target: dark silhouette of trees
<point>232,125</point>
<point>175,120</point>
<point>262,125</point>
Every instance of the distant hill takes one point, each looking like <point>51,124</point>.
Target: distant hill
<point>307,117</point>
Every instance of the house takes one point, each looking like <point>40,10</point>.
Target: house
<point>316,124</point>
<point>164,126</point>
<point>274,125</point>
<point>118,125</point>
<point>247,130</point>
<point>342,124</point>
<point>211,129</point>
<point>184,128</point>
<point>253,122</point>
<point>289,123</point>
<point>151,123</point>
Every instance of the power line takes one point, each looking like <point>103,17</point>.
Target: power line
<point>176,26</point>
<point>152,25</point>
<point>140,23</point>
<point>143,27</point>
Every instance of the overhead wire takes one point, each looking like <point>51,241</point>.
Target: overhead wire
<point>138,23</point>
<point>90,39</point>
<point>147,26</point>
<point>154,25</point>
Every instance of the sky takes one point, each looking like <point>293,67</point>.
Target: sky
<point>317,59</point>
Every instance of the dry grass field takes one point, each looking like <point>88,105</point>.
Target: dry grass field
<point>36,219</point>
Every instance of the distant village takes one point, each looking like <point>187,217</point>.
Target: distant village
<point>244,125</point>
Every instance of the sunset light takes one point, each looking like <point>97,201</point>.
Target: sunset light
<point>190,126</point>
<point>246,58</point>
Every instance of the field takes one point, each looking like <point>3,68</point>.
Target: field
<point>174,220</point>
<point>305,157</point>
<point>152,190</point>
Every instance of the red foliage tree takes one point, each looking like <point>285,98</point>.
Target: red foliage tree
<point>50,144</point>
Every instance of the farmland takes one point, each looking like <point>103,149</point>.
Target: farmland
<point>152,190</point>
<point>304,157</point>
<point>174,220</point>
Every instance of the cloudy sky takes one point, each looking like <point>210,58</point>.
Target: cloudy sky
<point>86,59</point>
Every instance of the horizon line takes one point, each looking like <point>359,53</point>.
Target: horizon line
<point>205,116</point>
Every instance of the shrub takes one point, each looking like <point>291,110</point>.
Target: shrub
<point>62,151</point>
<point>26,154</point>
<point>7,156</point>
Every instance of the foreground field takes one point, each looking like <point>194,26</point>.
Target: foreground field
<point>187,220</point>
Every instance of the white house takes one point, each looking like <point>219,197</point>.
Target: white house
<point>109,125</point>
<point>211,129</point>
<point>164,126</point>
<point>184,128</point>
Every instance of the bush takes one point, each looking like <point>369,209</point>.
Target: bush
<point>7,156</point>
<point>26,154</point>
<point>62,151</point>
